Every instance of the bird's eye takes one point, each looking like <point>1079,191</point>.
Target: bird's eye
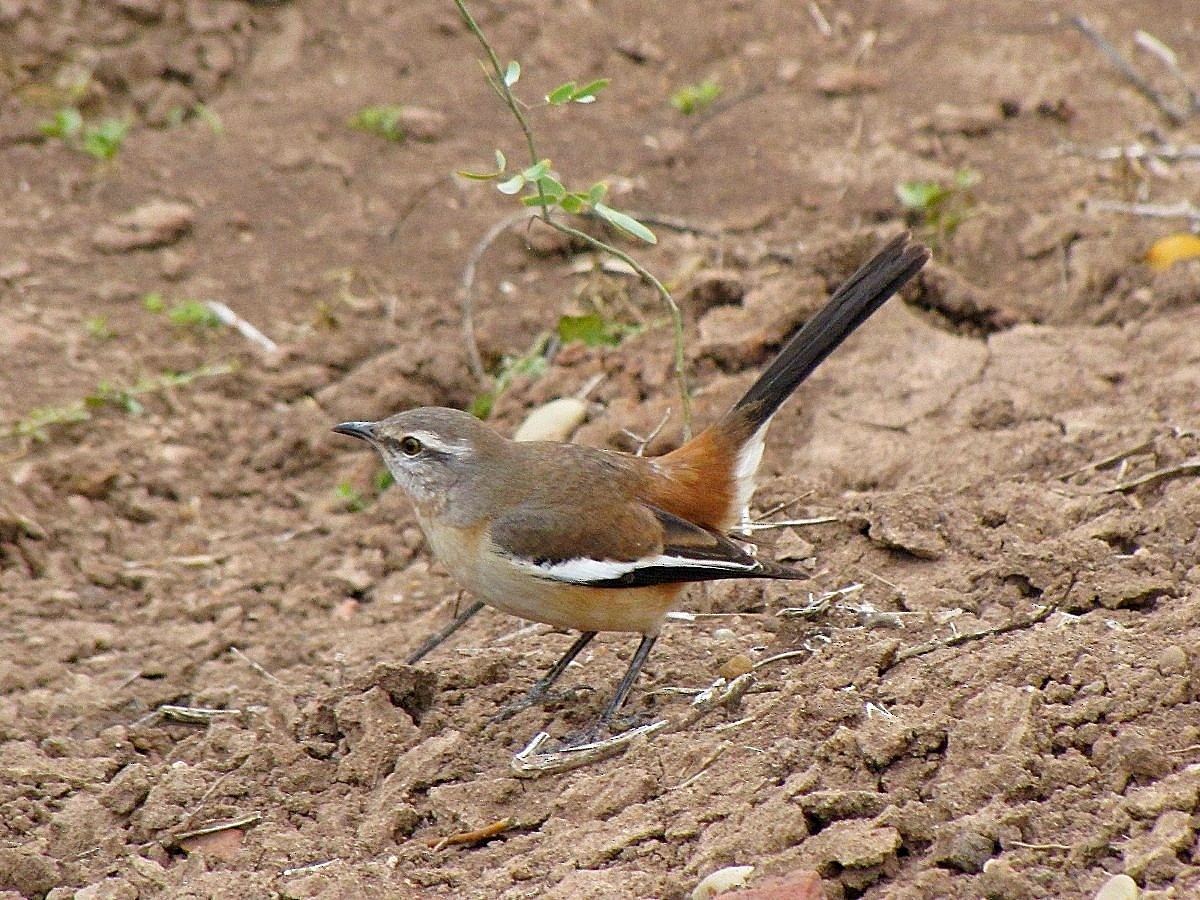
<point>410,446</point>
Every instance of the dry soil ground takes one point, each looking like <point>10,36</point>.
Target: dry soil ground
<point>1012,448</point>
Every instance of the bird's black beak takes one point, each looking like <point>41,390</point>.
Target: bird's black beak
<point>364,431</point>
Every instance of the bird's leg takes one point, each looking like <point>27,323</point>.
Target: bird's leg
<point>619,698</point>
<point>434,641</point>
<point>543,684</point>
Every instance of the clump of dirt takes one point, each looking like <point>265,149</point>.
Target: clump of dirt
<point>208,598</point>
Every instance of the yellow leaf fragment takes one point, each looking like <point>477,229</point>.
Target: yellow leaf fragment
<point>1171,249</point>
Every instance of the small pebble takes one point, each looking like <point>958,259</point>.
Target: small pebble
<point>723,635</point>
<point>553,421</point>
<point>720,881</point>
<point>1173,660</point>
<point>1119,887</point>
<point>735,667</point>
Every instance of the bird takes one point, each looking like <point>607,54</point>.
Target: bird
<point>594,540</point>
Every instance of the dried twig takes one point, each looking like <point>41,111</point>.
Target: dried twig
<point>475,836</point>
<point>228,317</point>
<point>1187,467</point>
<point>1180,210</point>
<point>1169,152</point>
<point>780,657</point>
<point>311,867</point>
<point>530,763</point>
<point>193,715</point>
<point>466,289</point>
<point>255,666</point>
<point>1174,115</point>
<point>222,825</point>
<point>787,523</point>
<point>704,766</point>
<point>644,442</point>
<point>1026,846</point>
<point>1167,57</point>
<point>967,637</point>
<point>1112,459</point>
<point>817,605</point>
<point>819,19</point>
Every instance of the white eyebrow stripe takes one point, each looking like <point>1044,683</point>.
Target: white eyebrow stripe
<point>582,570</point>
<point>439,444</point>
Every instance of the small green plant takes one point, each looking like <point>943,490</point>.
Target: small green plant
<point>594,330</point>
<point>531,363</point>
<point>383,481</point>
<point>37,422</point>
<point>384,121</point>
<point>66,124</point>
<point>351,497</point>
<point>696,98</point>
<point>543,190</point>
<point>177,115</point>
<point>102,141</point>
<point>353,500</point>
<point>939,208</point>
<point>97,328</point>
<point>191,315</point>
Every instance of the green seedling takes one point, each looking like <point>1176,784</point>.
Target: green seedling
<point>594,330</point>
<point>66,125</point>
<point>177,115</point>
<point>353,500</point>
<point>102,141</point>
<point>545,191</point>
<point>939,208</point>
<point>696,98</point>
<point>97,328</point>
<point>384,121</point>
<point>531,363</point>
<point>191,315</point>
<point>351,497</point>
<point>36,424</point>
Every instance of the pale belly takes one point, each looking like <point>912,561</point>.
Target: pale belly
<point>500,584</point>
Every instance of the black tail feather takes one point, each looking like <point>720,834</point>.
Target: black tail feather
<point>855,300</point>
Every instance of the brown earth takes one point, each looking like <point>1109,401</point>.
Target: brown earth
<point>979,446</point>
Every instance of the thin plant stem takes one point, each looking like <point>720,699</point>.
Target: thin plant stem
<point>498,83</point>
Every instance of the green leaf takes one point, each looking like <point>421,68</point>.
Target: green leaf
<point>625,223</point>
<point>512,74</point>
<point>561,94</point>
<point>591,329</point>
<point>537,170</point>
<point>105,140</point>
<point>383,121</point>
<point>587,93</point>
<point>478,176</point>
<point>695,98</point>
<point>551,187</point>
<point>919,194</point>
<point>967,178</point>
<point>573,203</point>
<point>67,123</point>
<point>511,185</point>
<point>501,162</point>
<point>597,191</point>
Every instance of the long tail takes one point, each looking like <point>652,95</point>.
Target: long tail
<point>855,300</point>
<point>711,478</point>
